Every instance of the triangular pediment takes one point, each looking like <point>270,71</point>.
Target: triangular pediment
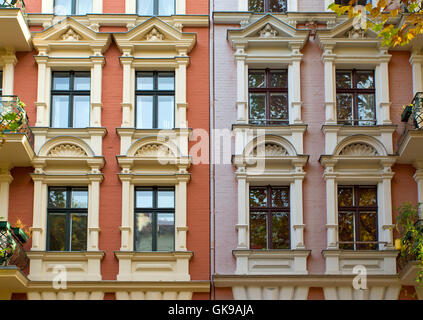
<point>156,33</point>
<point>267,28</point>
<point>70,33</point>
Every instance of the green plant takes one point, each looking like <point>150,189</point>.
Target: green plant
<point>411,230</point>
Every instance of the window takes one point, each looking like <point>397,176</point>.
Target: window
<point>67,219</point>
<point>70,100</point>
<point>1,83</point>
<point>155,94</point>
<point>268,96</point>
<point>346,2</point>
<point>155,7</point>
<point>69,7</point>
<point>154,219</point>
<point>357,217</point>
<point>267,5</point>
<point>355,97</point>
<point>269,218</point>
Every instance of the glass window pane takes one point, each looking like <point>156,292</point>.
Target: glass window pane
<point>79,198</point>
<point>144,198</point>
<point>145,81</point>
<point>146,7</point>
<point>365,80</point>
<point>257,79</point>
<point>280,231</point>
<point>367,196</point>
<point>165,199</point>
<point>60,112</point>
<point>145,112</point>
<point>143,232</point>
<point>165,231</point>
<point>56,232</point>
<point>61,81</point>
<point>82,82</point>
<point>57,198</point>
<point>344,102</point>
<point>368,230</point>
<point>257,108</point>
<point>345,197</point>
<point>343,79</point>
<point>278,79</point>
<point>166,7</point>
<point>83,7</point>
<point>79,232</point>
<point>258,197</point>
<point>165,112</point>
<point>256,5</point>
<point>277,5</point>
<point>166,81</point>
<point>280,197</point>
<point>81,111</point>
<point>278,107</point>
<point>258,230</point>
<point>63,7</point>
<point>366,109</point>
<point>346,229</point>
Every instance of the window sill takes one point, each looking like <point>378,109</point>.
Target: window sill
<point>154,266</point>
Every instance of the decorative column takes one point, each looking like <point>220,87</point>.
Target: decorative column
<point>330,87</point>
<point>94,212</point>
<point>40,212</point>
<point>385,208</point>
<point>331,207</point>
<point>294,75</point>
<point>297,209</point>
<point>416,61</point>
<point>242,78</point>
<point>418,176</point>
<point>180,7</point>
<point>181,91</point>
<point>126,214</point>
<point>181,214</point>
<point>96,84</point>
<point>382,90</point>
<point>5,181</point>
<point>127,103</point>
<point>242,225</point>
<point>9,61</point>
<point>41,104</point>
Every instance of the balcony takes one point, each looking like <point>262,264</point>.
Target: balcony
<point>16,138</point>
<point>410,149</point>
<point>15,30</point>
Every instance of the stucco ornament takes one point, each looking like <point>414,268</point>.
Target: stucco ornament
<point>67,150</point>
<point>358,149</point>
<point>270,149</point>
<point>268,32</point>
<point>71,35</point>
<point>155,35</point>
<point>153,150</point>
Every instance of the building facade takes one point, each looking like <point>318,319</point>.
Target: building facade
<point>187,149</point>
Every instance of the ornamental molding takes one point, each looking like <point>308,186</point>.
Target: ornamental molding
<point>71,35</point>
<point>154,150</point>
<point>270,149</point>
<point>268,32</point>
<point>358,149</point>
<point>155,35</point>
<point>67,150</point>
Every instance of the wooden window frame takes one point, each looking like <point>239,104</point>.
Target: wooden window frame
<point>357,209</point>
<point>269,209</point>
<point>71,93</point>
<point>268,90</point>
<point>68,211</point>
<point>154,211</point>
<point>355,92</point>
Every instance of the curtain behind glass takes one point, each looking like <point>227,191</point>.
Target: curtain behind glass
<point>145,7</point>
<point>83,7</point>
<point>63,7</point>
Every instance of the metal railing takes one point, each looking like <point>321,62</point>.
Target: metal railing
<point>13,117</point>
<point>413,113</point>
<point>14,4</point>
<point>12,252</point>
<point>406,256</point>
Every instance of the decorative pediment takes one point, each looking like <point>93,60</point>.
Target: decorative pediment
<point>155,34</point>
<point>270,149</point>
<point>268,28</point>
<point>69,34</point>
<point>154,150</point>
<point>359,150</point>
<point>67,151</point>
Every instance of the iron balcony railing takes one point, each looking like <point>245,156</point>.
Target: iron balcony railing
<point>408,256</point>
<point>12,252</point>
<point>14,4</point>
<point>413,113</point>
<point>13,118</point>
